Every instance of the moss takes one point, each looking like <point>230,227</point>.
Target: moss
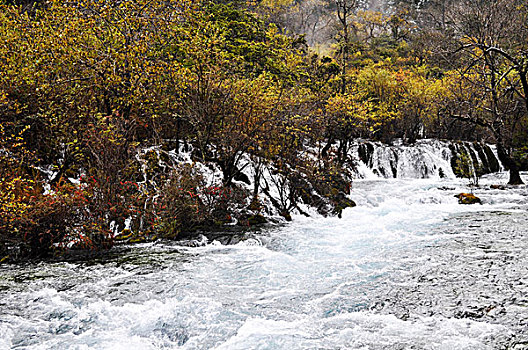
<point>255,205</point>
<point>468,198</point>
<point>170,230</point>
<point>342,202</point>
<point>218,223</point>
<point>130,237</point>
<point>138,239</point>
<point>124,235</point>
<point>256,219</point>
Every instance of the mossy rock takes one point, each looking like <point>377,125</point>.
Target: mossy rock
<point>468,198</point>
<point>255,205</point>
<point>219,222</point>
<point>341,203</point>
<point>138,239</point>
<point>124,235</point>
<point>256,219</point>
<point>127,236</point>
<point>171,230</point>
<point>286,215</point>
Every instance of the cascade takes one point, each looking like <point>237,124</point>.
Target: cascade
<point>426,158</point>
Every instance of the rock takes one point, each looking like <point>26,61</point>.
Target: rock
<point>138,239</point>
<point>239,176</point>
<point>342,202</point>
<point>200,241</point>
<point>468,198</point>
<point>494,165</point>
<point>255,205</point>
<point>498,187</point>
<point>246,219</point>
<point>126,234</point>
<point>256,219</point>
<point>286,215</point>
<point>365,152</point>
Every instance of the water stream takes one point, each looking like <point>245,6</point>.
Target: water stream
<point>409,268</point>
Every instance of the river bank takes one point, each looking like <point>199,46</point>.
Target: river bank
<point>176,197</point>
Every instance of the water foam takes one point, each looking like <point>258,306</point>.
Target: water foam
<point>408,268</point>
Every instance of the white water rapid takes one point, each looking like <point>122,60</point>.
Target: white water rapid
<point>408,268</point>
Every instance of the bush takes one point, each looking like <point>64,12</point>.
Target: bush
<point>36,224</point>
<point>186,204</point>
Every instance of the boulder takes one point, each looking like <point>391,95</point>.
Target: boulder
<point>342,202</point>
<point>286,215</point>
<point>257,219</point>
<point>125,235</point>
<point>468,198</point>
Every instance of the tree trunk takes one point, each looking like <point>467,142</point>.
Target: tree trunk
<point>509,162</point>
<point>515,177</point>
<point>326,148</point>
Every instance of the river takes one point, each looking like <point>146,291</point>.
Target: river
<point>408,268</point>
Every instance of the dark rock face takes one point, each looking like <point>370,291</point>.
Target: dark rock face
<point>485,166</point>
<point>493,162</point>
<point>342,202</point>
<point>365,152</point>
<point>239,176</point>
<point>480,154</point>
<point>394,165</point>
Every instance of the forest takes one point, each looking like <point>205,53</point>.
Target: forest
<point>98,97</point>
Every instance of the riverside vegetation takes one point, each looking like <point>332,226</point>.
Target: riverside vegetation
<point>111,111</point>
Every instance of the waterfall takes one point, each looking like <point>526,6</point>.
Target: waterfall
<point>425,159</point>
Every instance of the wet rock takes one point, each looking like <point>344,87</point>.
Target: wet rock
<point>485,165</point>
<point>125,235</point>
<point>492,160</point>
<point>138,239</point>
<point>251,219</point>
<point>480,155</point>
<point>200,241</point>
<point>468,198</point>
<point>445,188</point>
<point>315,193</point>
<point>498,187</point>
<point>286,215</point>
<point>231,238</point>
<point>239,176</point>
<point>342,202</point>
<point>441,173</point>
<point>365,152</point>
<point>256,219</point>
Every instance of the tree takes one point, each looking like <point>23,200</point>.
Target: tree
<point>493,53</point>
<point>346,32</point>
